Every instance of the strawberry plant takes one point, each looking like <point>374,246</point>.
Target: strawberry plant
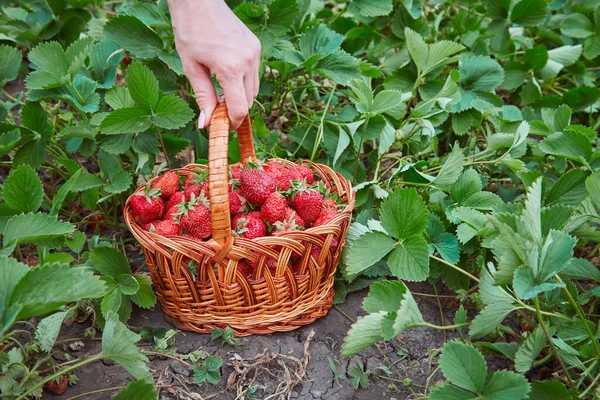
<point>468,129</point>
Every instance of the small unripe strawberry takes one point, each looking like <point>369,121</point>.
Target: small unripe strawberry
<point>274,208</point>
<point>148,206</point>
<point>168,183</point>
<point>249,226</point>
<point>256,185</point>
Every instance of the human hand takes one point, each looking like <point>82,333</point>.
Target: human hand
<point>211,39</point>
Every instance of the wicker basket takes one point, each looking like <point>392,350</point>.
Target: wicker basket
<point>221,295</point>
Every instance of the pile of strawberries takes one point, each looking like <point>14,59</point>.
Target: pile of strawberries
<point>264,199</point>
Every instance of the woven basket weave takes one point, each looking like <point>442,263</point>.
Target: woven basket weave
<point>223,296</point>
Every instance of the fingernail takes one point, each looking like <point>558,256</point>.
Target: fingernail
<point>201,119</point>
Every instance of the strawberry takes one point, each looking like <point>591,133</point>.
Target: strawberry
<point>291,222</point>
<point>147,207</point>
<point>306,173</point>
<point>126,60</point>
<point>326,215</point>
<point>237,203</point>
<point>280,174</point>
<point>249,225</point>
<point>174,200</point>
<point>236,173</point>
<point>245,268</point>
<point>168,183</point>
<point>197,177</point>
<point>194,238</point>
<point>58,386</point>
<point>194,217</point>
<point>192,189</point>
<point>307,203</point>
<point>164,228</point>
<point>294,174</point>
<point>270,263</point>
<point>256,185</point>
<point>274,208</point>
<point>329,203</point>
<point>96,218</point>
<point>206,188</point>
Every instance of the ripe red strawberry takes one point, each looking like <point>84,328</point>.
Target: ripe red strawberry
<point>306,173</point>
<point>245,268</point>
<point>168,183</point>
<point>206,188</point>
<point>291,222</point>
<point>274,208</point>
<point>147,207</point>
<point>126,60</point>
<point>194,217</point>
<point>96,218</point>
<point>197,177</point>
<point>59,385</point>
<point>256,185</point>
<point>270,263</point>
<point>237,203</point>
<point>329,203</point>
<point>174,200</point>
<point>326,215</point>
<point>192,189</point>
<point>280,174</point>
<point>236,173</point>
<point>308,203</point>
<point>164,228</point>
<point>294,174</point>
<point>249,225</point>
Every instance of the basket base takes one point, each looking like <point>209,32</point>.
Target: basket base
<point>240,330</point>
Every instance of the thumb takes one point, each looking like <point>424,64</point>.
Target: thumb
<point>204,91</point>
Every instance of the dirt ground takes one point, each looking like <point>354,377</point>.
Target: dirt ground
<point>409,357</point>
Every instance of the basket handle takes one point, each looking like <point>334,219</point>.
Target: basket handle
<point>218,168</point>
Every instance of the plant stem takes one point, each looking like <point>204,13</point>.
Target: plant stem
<point>320,130</point>
<point>462,271</point>
<point>57,374</point>
<point>549,338</point>
<point>583,319</point>
<point>443,328</point>
<point>164,148</point>
<point>360,144</point>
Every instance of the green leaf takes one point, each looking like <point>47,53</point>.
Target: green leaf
<point>370,8</point>
<point>463,366</point>
<point>81,94</point>
<point>385,101</point>
<point>489,318</point>
<point>449,392</point>
<point>77,52</point>
<point>439,53</point>
<point>52,66</point>
<point>172,113</point>
<point>23,190</point>
<point>526,285</point>
<point>536,57</point>
<point>120,182</point>
<point>213,363</point>
<point>76,242</point>
<point>592,184</point>
<point>118,97</point>
<point>363,333</point>
<point>125,120</point>
<point>404,214</point>
<point>8,140</point>
<point>530,349</point>
<point>556,254</point>
<point>572,145</point>
<point>118,344</point>
<point>62,193</point>
<point>417,48</point>
<point>319,40</point>
<point>581,269</point>
<point>143,86</point>
<point>34,118</point>
<point>367,250</point>
<point>385,296</point>
<point>145,297</point>
<point>104,60</point>
<point>11,271</point>
<point>10,61</point>
<point>480,73</point>
<point>451,169</point>
<point>581,97</point>
<point>529,12</point>
<point>138,390</point>
<point>34,228</point>
<point>565,184</point>
<point>48,329</point>
<point>45,288</point>
<point>134,36</point>
<point>549,389</point>
<point>128,284</point>
<point>339,66</point>
<point>282,14</point>
<point>150,14</point>
<point>577,26</point>
<point>410,259</point>
<point>506,385</point>
<point>110,262</point>
<point>559,58</point>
